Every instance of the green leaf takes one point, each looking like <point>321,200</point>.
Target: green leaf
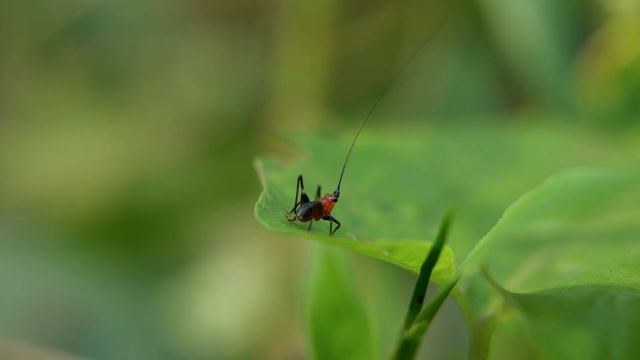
<point>336,319</point>
<point>582,322</point>
<point>579,228</point>
<point>566,256</point>
<point>407,253</point>
<point>585,322</point>
<point>400,181</point>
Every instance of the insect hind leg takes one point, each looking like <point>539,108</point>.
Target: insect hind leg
<point>304,198</point>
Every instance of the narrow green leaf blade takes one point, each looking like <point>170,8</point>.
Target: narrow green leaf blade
<point>420,290</point>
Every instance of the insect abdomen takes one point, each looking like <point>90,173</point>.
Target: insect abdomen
<point>310,211</point>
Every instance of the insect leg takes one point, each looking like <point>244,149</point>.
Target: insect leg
<point>303,196</point>
<point>318,192</point>
<point>309,226</point>
<point>332,220</point>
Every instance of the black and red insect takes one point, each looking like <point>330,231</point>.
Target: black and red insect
<point>320,208</point>
<point>306,210</point>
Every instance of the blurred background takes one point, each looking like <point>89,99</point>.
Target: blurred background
<point>128,131</point>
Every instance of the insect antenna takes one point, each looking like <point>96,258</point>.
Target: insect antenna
<point>382,95</point>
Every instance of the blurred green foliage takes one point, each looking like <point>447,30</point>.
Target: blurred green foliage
<point>128,131</point>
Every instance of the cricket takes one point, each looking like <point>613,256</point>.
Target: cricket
<point>305,210</point>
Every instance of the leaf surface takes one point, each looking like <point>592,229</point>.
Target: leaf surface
<point>566,256</point>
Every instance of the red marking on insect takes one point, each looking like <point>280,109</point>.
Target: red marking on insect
<point>328,202</point>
